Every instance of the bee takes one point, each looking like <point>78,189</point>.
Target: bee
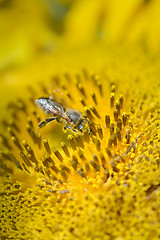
<point>70,118</point>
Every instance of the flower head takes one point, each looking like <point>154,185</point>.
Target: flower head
<point>94,184</point>
<point>87,166</point>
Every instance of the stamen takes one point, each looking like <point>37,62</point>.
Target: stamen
<point>94,165</point>
<point>112,100</point>
<point>121,101</point>
<point>118,134</point>
<point>79,141</point>
<point>73,145</point>
<point>100,132</point>
<point>94,97</point>
<point>119,124</point>
<point>74,162</point>
<point>16,142</point>
<point>82,101</point>
<point>46,145</point>
<point>112,128</point>
<point>94,111</point>
<point>124,118</point>
<point>58,155</point>
<point>81,89</point>
<point>99,83</point>
<point>65,149</point>
<point>25,159</point>
<point>81,155</point>
<point>107,121</point>
<point>115,113</point>
<point>88,112</point>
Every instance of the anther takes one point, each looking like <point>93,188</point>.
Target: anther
<point>74,162</point>
<point>108,152</point>
<point>67,76</point>
<point>16,142</point>
<point>12,158</point>
<point>107,174</point>
<point>79,141</point>
<point>115,113</point>
<point>58,155</point>
<point>63,167</point>
<point>24,166</point>
<point>14,126</point>
<point>43,88</point>
<point>99,83</point>
<point>31,133</point>
<point>10,131</point>
<point>92,127</point>
<point>28,148</point>
<point>95,166</point>
<point>81,155</point>
<point>3,155</point>
<point>81,173</point>
<point>124,118</point>
<point>94,111</point>
<point>98,145</point>
<point>25,159</point>
<point>65,149</point>
<point>36,116</point>
<point>71,140</point>
<point>30,123</point>
<point>103,160</point>
<point>21,105</point>
<point>32,158</point>
<point>112,140</point>
<point>113,164</point>
<point>107,121</point>
<point>95,158</point>
<point>112,100</point>
<point>38,139</point>
<point>64,175</point>
<point>100,132</point>
<point>81,89</point>
<point>78,79</point>
<point>4,141</point>
<point>88,112</point>
<point>86,136</point>
<point>54,168</point>
<point>47,172</point>
<point>87,168</point>
<point>46,145</point>
<point>85,73</point>
<point>68,95</point>
<point>82,102</point>
<point>127,138</point>
<point>117,106</point>
<point>112,128</point>
<point>121,101</point>
<point>118,134</point>
<point>94,97</point>
<point>113,87</point>
<point>119,123</point>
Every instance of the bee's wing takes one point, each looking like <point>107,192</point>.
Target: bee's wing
<point>51,107</point>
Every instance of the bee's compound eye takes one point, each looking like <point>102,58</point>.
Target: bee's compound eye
<point>74,115</point>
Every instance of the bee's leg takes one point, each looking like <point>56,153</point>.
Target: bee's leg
<point>47,120</point>
<point>69,127</point>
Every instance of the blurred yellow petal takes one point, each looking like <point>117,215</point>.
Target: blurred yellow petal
<point>84,21</point>
<point>24,31</point>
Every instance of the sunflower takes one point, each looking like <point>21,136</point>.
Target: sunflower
<point>98,183</point>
